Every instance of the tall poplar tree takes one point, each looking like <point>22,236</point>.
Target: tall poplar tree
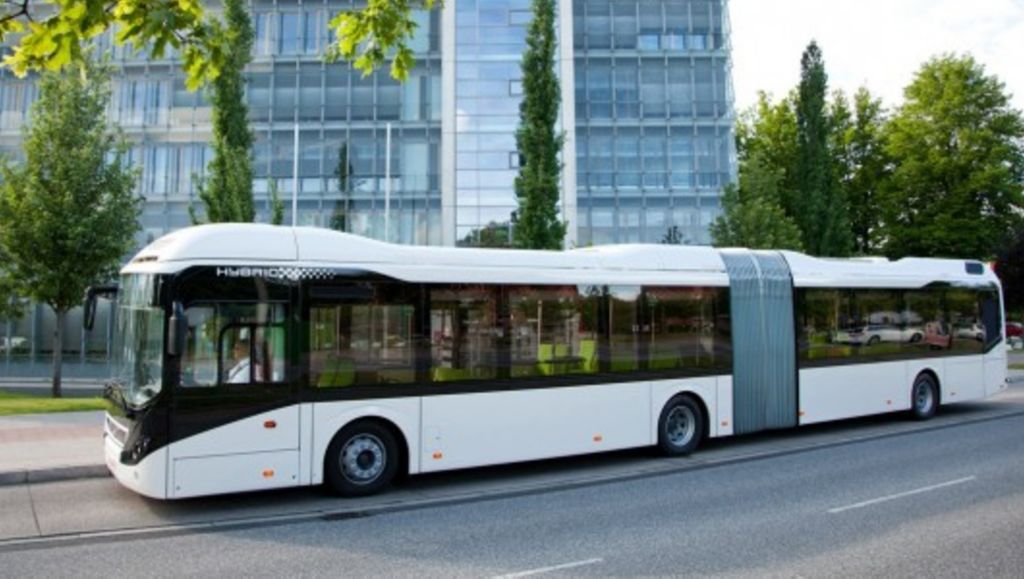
<point>861,164</point>
<point>68,213</point>
<point>536,223</point>
<point>226,192</point>
<point>820,209</point>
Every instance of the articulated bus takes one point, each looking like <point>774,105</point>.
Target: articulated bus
<point>256,357</point>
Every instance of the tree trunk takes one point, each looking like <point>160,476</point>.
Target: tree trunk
<point>58,351</point>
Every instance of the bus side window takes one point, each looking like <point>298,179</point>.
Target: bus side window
<point>233,344</point>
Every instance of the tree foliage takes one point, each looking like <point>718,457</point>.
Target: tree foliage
<point>494,235</point>
<point>752,212</point>
<point>367,37</point>
<point>226,192</point>
<point>343,171</point>
<point>955,190</point>
<point>68,213</point>
<point>861,164</point>
<point>538,141</point>
<point>820,209</point>
<point>55,36</point>
<point>1009,266</point>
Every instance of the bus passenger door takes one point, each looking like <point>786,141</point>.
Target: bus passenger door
<point>235,417</point>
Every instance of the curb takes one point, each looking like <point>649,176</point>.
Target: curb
<point>60,473</point>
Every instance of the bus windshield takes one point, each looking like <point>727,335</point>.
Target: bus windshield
<point>138,350</point>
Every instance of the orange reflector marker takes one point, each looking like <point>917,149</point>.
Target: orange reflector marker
<point>270,424</point>
<point>598,438</point>
<point>802,413</point>
<point>269,473</point>
<point>725,423</point>
<point>437,456</point>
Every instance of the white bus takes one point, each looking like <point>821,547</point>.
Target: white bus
<point>256,357</point>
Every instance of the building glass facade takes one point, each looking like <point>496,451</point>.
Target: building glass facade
<point>646,112</point>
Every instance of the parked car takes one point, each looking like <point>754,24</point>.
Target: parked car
<point>875,333</point>
<point>971,331</point>
<point>1014,330</point>
<point>13,344</point>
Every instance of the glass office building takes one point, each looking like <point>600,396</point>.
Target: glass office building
<point>646,112</point>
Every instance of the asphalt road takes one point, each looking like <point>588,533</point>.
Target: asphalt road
<point>941,502</point>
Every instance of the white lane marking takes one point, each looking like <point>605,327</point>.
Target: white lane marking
<point>958,481</point>
<point>541,570</point>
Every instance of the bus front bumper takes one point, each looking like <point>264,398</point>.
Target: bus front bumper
<point>148,477</point>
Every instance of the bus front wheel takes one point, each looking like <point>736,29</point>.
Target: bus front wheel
<point>681,426</point>
<point>361,460</point>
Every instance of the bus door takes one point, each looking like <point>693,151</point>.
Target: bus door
<point>235,417</point>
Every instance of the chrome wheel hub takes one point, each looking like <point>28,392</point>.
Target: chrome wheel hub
<point>362,459</point>
<point>680,426</point>
<point>923,398</point>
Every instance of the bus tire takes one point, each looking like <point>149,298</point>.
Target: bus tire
<point>924,397</point>
<point>362,459</point>
<point>680,427</point>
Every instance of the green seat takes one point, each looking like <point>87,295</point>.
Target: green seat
<point>545,353</point>
<point>337,372</point>
<point>588,352</point>
<point>451,374</point>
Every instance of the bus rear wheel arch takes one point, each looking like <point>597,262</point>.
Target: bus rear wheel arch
<point>681,426</point>
<point>363,458</point>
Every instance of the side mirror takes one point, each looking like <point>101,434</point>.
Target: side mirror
<point>177,330</point>
<point>89,308</point>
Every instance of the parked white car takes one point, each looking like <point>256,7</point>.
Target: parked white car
<point>876,333</point>
<point>13,344</point>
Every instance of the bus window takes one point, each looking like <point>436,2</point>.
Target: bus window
<point>681,328</point>
<point>624,322</point>
<point>234,344</point>
<point>362,344</point>
<point>551,333</point>
<point>967,329</point>
<point>463,333</point>
<point>991,317</point>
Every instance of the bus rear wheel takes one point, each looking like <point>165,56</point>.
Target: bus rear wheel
<point>924,401</point>
<point>681,426</point>
<point>361,460</point>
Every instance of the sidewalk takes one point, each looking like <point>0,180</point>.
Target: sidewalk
<point>37,447</point>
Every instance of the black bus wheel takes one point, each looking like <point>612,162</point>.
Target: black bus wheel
<point>361,460</point>
<point>924,400</point>
<point>681,426</point>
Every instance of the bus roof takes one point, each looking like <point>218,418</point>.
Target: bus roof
<point>267,245</point>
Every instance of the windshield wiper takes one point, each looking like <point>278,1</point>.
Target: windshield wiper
<point>113,391</point>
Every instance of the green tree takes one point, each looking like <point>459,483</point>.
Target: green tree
<point>861,164</point>
<point>673,236</point>
<point>226,192</point>
<point>494,235</point>
<point>820,210</point>
<point>769,130</point>
<point>1009,266</point>
<point>367,37</point>
<point>68,214</point>
<point>538,141</point>
<point>11,306</point>
<point>958,160</point>
<point>343,171</point>
<point>752,214</point>
<point>52,37</point>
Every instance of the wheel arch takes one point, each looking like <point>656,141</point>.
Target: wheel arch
<point>693,394</point>
<point>384,422</point>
